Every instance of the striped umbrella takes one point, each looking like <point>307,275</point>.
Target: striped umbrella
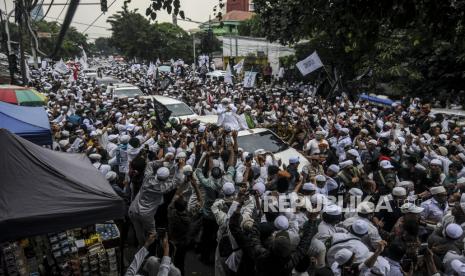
<point>21,95</point>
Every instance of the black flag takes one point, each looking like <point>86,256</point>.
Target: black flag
<point>162,113</point>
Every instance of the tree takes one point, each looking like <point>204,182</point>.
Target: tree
<point>251,27</point>
<point>103,46</point>
<point>209,43</point>
<point>135,37</point>
<point>416,45</point>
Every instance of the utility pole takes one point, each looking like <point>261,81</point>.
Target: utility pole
<point>22,9</point>
<point>193,46</point>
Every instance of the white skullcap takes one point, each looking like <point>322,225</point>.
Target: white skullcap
<point>309,187</point>
<point>346,164</point>
<point>443,151</point>
<point>259,187</point>
<point>124,139</point>
<point>171,150</point>
<point>353,152</point>
<point>163,173</point>
<point>343,256</point>
<point>112,137</point>
<point>281,223</point>
<point>399,191</point>
<point>202,128</point>
<point>319,132</point>
<point>437,190</point>
<point>63,143</point>
<point>181,154</point>
<point>228,189</point>
<point>420,167</point>
<point>462,156</point>
<point>95,156</point>
<point>344,130</point>
<point>458,267</point>
<point>332,210</point>
<point>454,231</point>
<point>360,227</point>
<point>320,178</point>
<point>111,175</point>
<point>319,199</point>
<point>334,168</point>
<point>187,168</point>
<point>411,208</point>
<point>405,184</point>
<point>259,152</point>
<point>373,141</point>
<point>385,164</point>
<point>366,207</point>
<point>436,162</point>
<point>356,192</point>
<point>293,160</point>
<point>65,133</point>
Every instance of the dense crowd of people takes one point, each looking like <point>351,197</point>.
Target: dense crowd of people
<point>380,195</point>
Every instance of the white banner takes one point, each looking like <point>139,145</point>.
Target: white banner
<point>238,67</point>
<point>61,67</point>
<point>249,79</point>
<point>310,64</point>
<point>43,65</point>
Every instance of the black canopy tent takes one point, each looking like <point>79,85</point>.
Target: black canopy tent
<point>43,191</point>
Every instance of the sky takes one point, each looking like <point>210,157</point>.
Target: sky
<point>197,10</point>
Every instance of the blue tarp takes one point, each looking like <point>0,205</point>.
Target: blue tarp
<point>31,123</point>
<point>376,100</point>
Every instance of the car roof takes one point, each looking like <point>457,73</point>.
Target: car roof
<point>166,100</point>
<point>251,131</point>
<point>125,85</point>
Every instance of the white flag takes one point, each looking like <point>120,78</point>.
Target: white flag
<point>249,79</point>
<point>61,67</point>
<point>151,70</point>
<point>43,65</point>
<point>310,64</point>
<point>84,55</point>
<point>83,63</point>
<point>238,67</point>
<point>228,78</point>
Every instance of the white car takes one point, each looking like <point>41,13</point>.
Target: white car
<point>90,73</point>
<point>262,138</point>
<point>130,91</point>
<point>178,109</point>
<point>216,75</point>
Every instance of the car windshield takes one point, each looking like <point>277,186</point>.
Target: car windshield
<point>129,92</point>
<point>266,140</point>
<point>180,109</point>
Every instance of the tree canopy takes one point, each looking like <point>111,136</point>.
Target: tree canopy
<point>136,37</point>
<point>416,46</point>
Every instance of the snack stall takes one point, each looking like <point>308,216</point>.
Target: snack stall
<point>56,213</point>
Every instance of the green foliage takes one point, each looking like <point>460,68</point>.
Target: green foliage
<point>251,27</point>
<point>103,46</point>
<point>415,46</point>
<point>134,36</point>
<point>70,48</point>
<point>209,43</point>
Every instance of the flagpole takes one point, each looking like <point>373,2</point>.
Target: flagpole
<point>329,76</point>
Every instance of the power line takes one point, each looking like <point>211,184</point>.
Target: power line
<point>61,9</point>
<point>80,23</point>
<point>114,1</point>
